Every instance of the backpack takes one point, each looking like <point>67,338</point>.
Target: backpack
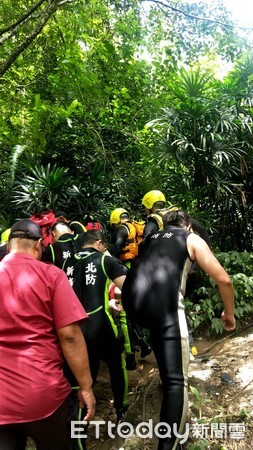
<point>45,220</point>
<point>91,224</point>
<point>139,228</point>
<point>130,250</point>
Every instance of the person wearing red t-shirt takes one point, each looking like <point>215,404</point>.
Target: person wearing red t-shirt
<point>39,327</point>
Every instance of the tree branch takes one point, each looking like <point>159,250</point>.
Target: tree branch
<point>64,2</point>
<point>45,16</point>
<point>15,30</point>
<point>21,19</point>
<point>157,2</point>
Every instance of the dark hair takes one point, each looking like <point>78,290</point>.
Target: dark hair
<point>91,236</point>
<point>177,218</point>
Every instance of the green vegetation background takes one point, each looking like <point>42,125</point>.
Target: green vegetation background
<point>101,101</point>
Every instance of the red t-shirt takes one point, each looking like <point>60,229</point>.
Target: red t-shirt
<point>36,299</point>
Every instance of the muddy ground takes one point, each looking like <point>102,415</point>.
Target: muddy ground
<point>220,398</point>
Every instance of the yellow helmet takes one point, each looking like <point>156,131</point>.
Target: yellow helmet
<point>5,235</point>
<point>151,197</point>
<point>115,215</point>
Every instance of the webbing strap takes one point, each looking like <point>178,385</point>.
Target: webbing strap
<point>94,310</point>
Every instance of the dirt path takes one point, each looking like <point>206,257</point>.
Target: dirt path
<point>220,404</point>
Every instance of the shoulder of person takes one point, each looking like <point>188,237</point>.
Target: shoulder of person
<point>124,226</point>
<point>195,240</point>
<point>153,218</point>
<point>110,259</point>
<point>113,261</point>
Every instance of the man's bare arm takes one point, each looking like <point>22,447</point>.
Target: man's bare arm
<point>200,252</point>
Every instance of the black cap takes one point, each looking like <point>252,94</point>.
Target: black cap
<point>25,229</point>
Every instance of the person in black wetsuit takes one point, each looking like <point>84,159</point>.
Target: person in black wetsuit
<point>104,342</point>
<point>154,204</point>
<point>62,252</point>
<point>125,248</point>
<point>153,294</point>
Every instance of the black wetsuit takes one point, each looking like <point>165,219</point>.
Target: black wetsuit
<point>153,295</point>
<point>152,226</point>
<point>136,334</point>
<point>62,253</point>
<point>101,334</point>
<point>194,278</point>
<point>120,238</point>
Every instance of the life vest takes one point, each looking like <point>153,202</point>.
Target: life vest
<point>135,233</point>
<point>77,227</point>
<point>158,218</point>
<point>158,215</point>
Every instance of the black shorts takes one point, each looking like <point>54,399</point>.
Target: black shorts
<point>50,433</point>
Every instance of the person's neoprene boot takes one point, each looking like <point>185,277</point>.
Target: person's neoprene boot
<point>146,349</point>
<point>130,362</point>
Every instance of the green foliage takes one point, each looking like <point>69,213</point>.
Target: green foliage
<point>206,306</point>
<point>45,188</point>
<point>203,444</point>
<point>88,78</point>
<point>182,38</point>
<point>236,262</point>
<point>199,400</point>
<point>199,136</point>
